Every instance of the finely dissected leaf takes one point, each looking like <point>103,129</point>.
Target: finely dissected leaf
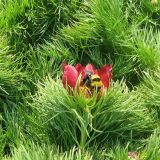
<point>152,150</point>
<point>31,151</point>
<point>36,36</point>
<point>74,120</point>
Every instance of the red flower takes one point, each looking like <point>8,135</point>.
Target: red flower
<point>72,73</point>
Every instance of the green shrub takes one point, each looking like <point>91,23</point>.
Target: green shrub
<point>29,22</point>
<point>31,151</point>
<point>75,120</point>
<point>152,150</point>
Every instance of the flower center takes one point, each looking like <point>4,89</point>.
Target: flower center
<point>92,81</point>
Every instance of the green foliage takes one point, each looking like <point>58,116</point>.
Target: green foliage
<point>80,36</point>
<point>151,86</point>
<point>12,80</point>
<point>29,22</point>
<point>46,60</point>
<point>152,150</point>
<point>118,153</point>
<point>75,120</point>
<point>110,17</point>
<point>2,137</point>
<point>151,6</point>
<point>151,89</point>
<point>11,84</point>
<point>36,37</point>
<point>145,45</point>
<point>31,151</point>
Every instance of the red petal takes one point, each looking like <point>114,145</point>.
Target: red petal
<point>79,68</point>
<point>90,68</point>
<point>105,74</point>
<point>63,65</point>
<point>70,76</point>
<point>96,71</point>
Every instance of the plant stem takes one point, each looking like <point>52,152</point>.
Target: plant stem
<point>83,138</point>
<point>84,130</point>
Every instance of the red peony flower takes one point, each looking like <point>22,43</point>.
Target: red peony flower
<point>89,76</point>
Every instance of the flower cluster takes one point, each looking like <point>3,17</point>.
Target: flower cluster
<point>86,79</point>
